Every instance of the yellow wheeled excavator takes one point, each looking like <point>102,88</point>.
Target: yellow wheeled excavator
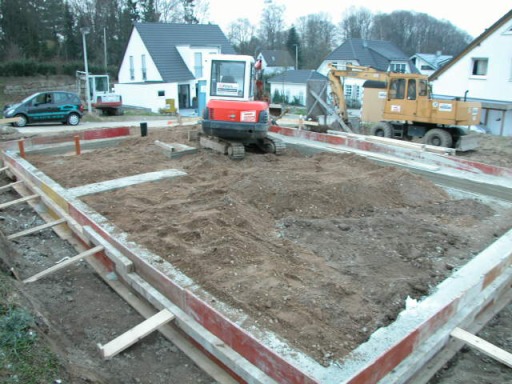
<point>409,110</point>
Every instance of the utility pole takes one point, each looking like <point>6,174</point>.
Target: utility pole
<point>85,31</point>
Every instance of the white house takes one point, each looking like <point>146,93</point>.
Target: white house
<point>483,72</point>
<point>276,61</point>
<point>378,54</point>
<point>293,85</point>
<point>165,61</point>
<point>428,63</point>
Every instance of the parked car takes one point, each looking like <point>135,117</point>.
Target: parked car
<point>61,106</point>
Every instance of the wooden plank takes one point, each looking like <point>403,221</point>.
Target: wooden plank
<point>135,334</point>
<point>168,331</point>
<point>9,186</point>
<point>64,264</point>
<point>9,120</point>
<point>36,229</point>
<point>22,200</point>
<point>483,346</point>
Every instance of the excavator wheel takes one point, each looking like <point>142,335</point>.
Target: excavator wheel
<point>382,129</point>
<point>438,137</point>
<point>236,151</point>
<point>269,145</point>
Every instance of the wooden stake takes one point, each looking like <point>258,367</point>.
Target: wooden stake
<point>9,186</point>
<point>135,334</point>
<point>483,346</point>
<point>21,147</point>
<point>64,264</point>
<point>22,200</point>
<point>36,229</point>
<point>77,144</point>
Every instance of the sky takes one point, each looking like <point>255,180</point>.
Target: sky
<point>472,18</point>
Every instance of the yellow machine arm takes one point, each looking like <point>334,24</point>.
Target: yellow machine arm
<point>354,71</point>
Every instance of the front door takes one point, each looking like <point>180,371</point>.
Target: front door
<point>184,96</point>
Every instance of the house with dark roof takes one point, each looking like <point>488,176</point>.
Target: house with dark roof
<point>428,63</point>
<point>163,62</point>
<point>276,61</point>
<point>293,85</point>
<point>378,54</point>
<point>483,72</point>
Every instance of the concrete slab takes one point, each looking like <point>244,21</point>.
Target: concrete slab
<point>124,182</point>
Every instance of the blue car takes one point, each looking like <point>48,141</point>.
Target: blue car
<point>59,106</point>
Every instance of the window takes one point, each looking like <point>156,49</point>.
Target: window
<point>398,68</point>
<point>227,78</point>
<point>423,88</point>
<point>198,64</point>
<point>161,93</point>
<point>479,67</point>
<point>397,89</point>
<point>144,70</point>
<point>426,68</point>
<point>411,89</point>
<point>132,69</point>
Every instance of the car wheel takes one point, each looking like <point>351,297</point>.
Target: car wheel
<point>73,119</point>
<point>22,121</point>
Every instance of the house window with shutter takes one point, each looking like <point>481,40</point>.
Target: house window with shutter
<point>144,70</point>
<point>132,69</point>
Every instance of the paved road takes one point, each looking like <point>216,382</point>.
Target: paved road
<point>135,122</point>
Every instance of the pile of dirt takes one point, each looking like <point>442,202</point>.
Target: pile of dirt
<point>322,250</point>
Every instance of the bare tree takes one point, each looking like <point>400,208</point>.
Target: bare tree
<point>318,36</point>
<point>175,11</point>
<point>355,23</point>
<point>241,34</point>
<point>272,26</point>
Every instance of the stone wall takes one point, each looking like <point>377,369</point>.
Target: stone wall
<point>14,89</point>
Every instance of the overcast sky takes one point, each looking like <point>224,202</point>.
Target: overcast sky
<point>472,18</point>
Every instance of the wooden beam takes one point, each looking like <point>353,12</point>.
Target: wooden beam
<point>9,186</point>
<point>483,346</point>
<point>135,334</point>
<point>36,229</point>
<point>64,264</point>
<point>9,120</point>
<point>22,200</point>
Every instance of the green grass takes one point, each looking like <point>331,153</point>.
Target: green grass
<point>24,355</point>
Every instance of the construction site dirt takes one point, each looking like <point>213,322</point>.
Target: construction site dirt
<point>321,249</point>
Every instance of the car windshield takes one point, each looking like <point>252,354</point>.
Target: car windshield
<point>28,98</point>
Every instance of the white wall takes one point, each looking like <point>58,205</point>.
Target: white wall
<point>146,95</point>
<point>289,89</point>
<point>187,53</point>
<point>496,85</point>
<point>136,48</point>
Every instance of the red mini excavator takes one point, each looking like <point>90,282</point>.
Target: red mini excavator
<point>233,119</point>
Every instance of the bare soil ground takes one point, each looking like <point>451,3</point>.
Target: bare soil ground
<point>322,250</point>
<point>74,310</point>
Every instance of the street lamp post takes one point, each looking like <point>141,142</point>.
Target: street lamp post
<point>85,31</point>
<point>296,56</point>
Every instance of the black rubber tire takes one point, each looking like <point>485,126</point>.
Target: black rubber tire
<point>438,137</point>
<point>73,119</point>
<point>382,129</point>
<point>22,120</point>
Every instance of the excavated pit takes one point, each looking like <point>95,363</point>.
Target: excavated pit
<point>321,249</point>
